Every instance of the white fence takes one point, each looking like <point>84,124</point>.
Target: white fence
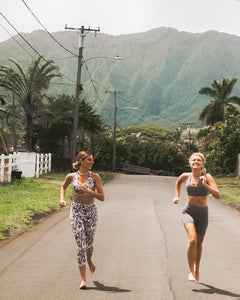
<point>30,164</point>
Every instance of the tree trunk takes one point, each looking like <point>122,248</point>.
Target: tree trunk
<point>29,138</point>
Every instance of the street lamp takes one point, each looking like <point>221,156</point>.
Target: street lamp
<point>107,57</point>
<point>114,130</point>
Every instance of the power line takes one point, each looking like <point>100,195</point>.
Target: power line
<point>63,58</point>
<point>142,121</point>
<point>47,30</point>
<point>21,35</point>
<point>32,46</point>
<point>94,87</point>
<point>17,41</point>
<point>107,109</point>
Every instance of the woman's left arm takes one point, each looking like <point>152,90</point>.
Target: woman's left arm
<point>211,185</point>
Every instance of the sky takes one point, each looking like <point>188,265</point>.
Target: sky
<point>120,17</point>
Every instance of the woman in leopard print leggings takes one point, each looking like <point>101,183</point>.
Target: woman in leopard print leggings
<point>83,219</point>
<point>83,215</point>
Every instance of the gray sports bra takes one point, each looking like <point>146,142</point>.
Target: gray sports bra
<point>89,184</point>
<point>198,190</point>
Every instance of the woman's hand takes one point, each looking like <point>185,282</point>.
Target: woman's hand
<point>82,187</point>
<point>62,203</point>
<point>204,180</point>
<point>176,200</point>
<point>210,184</point>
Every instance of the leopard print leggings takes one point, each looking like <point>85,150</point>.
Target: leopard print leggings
<point>83,219</point>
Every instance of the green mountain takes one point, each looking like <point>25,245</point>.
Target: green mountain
<point>161,72</point>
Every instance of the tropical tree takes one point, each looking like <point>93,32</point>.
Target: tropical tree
<point>153,147</point>
<point>223,144</point>
<point>220,93</point>
<point>53,131</point>
<point>27,88</point>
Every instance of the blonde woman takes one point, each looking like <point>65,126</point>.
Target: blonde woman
<point>86,186</point>
<point>195,215</point>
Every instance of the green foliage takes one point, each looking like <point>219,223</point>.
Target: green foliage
<point>229,188</point>
<point>27,88</point>
<point>148,146</point>
<point>224,144</point>
<point>52,133</point>
<point>219,92</point>
<point>55,127</point>
<point>102,149</point>
<point>153,147</point>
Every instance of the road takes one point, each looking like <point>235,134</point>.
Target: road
<point>140,250</point>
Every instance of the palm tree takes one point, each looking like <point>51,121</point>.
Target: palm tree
<point>28,90</point>
<point>219,92</point>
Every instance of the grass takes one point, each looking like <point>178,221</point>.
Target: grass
<point>54,176</point>
<point>26,201</point>
<point>61,176</point>
<point>229,188</point>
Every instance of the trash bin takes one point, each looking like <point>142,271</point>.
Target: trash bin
<point>16,174</point>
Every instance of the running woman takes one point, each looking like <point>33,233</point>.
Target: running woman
<point>86,186</point>
<point>195,215</point>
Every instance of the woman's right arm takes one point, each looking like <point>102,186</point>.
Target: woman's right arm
<point>178,184</point>
<point>63,189</point>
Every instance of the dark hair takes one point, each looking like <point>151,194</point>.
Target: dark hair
<point>80,157</point>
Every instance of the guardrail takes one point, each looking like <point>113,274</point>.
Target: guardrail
<point>135,169</point>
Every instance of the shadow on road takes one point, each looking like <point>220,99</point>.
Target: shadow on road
<point>103,288</point>
<point>213,290</point>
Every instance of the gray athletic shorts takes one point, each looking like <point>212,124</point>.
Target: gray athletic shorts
<point>197,216</point>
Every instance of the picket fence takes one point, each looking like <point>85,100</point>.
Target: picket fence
<point>30,164</point>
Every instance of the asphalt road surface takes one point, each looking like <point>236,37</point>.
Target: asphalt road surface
<point>140,250</point>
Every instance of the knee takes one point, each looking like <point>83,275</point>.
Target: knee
<point>82,247</point>
<point>199,243</point>
<point>193,241</point>
<point>81,252</point>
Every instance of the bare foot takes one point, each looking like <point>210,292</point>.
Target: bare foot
<point>191,277</point>
<point>83,285</point>
<point>91,265</point>
<point>196,275</point>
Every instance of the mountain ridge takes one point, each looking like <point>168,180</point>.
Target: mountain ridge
<point>161,72</point>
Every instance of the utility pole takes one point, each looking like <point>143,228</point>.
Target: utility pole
<point>73,147</point>
<point>188,124</point>
<point>114,129</point>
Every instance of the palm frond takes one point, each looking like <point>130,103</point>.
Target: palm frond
<point>205,111</point>
<point>227,88</point>
<point>208,92</point>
